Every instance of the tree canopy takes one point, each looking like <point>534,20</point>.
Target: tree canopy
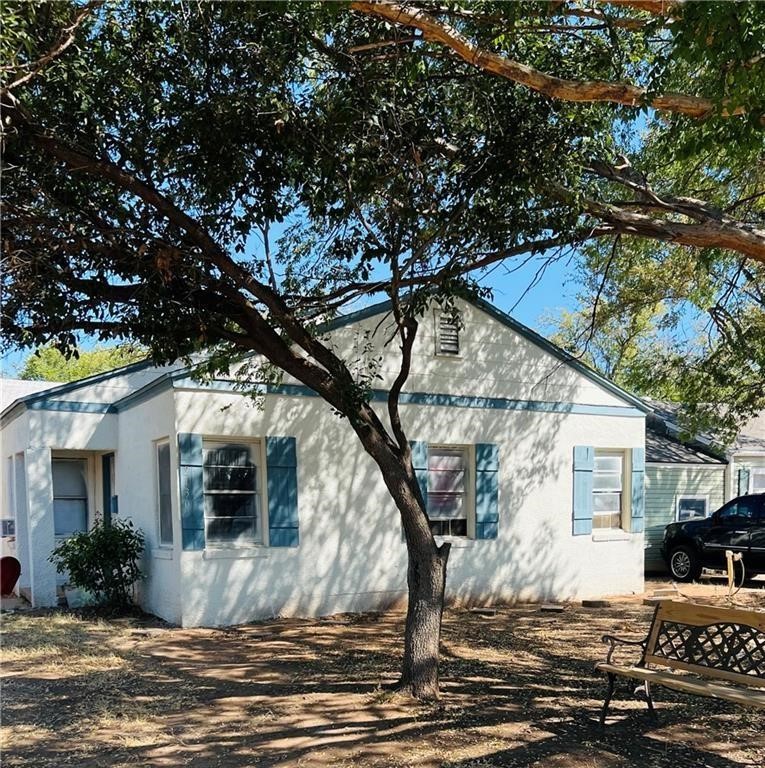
<point>50,364</point>
<point>226,176</point>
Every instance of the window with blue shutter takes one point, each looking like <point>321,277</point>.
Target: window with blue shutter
<point>638,490</point>
<point>192,493</point>
<point>281,470</point>
<point>584,464</point>
<point>444,475</point>
<point>486,491</point>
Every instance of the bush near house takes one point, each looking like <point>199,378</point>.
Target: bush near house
<point>103,561</point>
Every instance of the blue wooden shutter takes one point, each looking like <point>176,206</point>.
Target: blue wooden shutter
<point>106,482</point>
<point>743,481</point>
<point>281,462</point>
<point>486,491</point>
<point>638,490</point>
<point>420,466</point>
<point>192,491</point>
<point>584,463</point>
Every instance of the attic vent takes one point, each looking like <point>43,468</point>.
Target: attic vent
<point>448,341</point>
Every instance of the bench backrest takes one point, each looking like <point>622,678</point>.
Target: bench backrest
<point>724,643</point>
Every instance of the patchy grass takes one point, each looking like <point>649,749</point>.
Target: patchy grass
<point>57,644</point>
<point>519,689</point>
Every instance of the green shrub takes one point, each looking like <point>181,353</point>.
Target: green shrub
<point>103,561</point>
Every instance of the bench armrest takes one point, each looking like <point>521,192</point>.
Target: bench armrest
<point>613,640</point>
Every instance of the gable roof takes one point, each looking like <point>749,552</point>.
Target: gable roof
<point>13,389</point>
<point>515,326</point>
<point>664,448</point>
<point>37,400</point>
<point>665,418</point>
<point>166,378</point>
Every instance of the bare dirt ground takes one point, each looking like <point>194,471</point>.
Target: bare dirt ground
<point>519,689</point>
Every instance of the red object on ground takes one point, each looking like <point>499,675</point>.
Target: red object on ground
<point>10,570</point>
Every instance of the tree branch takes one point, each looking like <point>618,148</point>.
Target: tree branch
<point>708,233</point>
<point>67,37</point>
<point>625,94</point>
<point>654,7</point>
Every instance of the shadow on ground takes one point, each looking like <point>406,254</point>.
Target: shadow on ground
<point>519,689</point>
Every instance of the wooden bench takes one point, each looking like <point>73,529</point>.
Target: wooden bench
<point>722,648</point>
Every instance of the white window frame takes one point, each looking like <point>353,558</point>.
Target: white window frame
<point>694,497</point>
<point>438,315</point>
<point>758,471</point>
<point>469,496</point>
<point>623,491</point>
<point>162,442</point>
<point>257,455</point>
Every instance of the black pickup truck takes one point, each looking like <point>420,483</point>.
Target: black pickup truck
<point>738,526</point>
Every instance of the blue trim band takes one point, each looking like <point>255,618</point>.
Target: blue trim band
<point>378,395</point>
<point>73,406</point>
<point>443,400</point>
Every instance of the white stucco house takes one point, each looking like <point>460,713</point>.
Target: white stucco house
<point>533,467</point>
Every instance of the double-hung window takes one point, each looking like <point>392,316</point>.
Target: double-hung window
<point>757,481</point>
<point>70,496</point>
<point>447,491</point>
<point>231,493</point>
<point>607,491</point>
<point>164,495</point>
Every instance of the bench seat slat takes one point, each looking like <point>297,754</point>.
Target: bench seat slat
<point>688,684</point>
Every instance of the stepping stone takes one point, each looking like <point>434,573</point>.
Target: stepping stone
<point>484,611</point>
<point>596,604</point>
<point>552,608</point>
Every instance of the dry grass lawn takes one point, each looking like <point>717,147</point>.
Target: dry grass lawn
<point>519,689</point>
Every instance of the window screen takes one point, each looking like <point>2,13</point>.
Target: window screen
<point>163,494</point>
<point>70,496</point>
<point>231,491</point>
<point>607,489</point>
<point>447,491</point>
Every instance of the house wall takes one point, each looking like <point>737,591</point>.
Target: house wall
<point>72,431</point>
<point>351,555</point>
<point>15,438</point>
<point>136,488</point>
<point>494,361</point>
<point>664,484</point>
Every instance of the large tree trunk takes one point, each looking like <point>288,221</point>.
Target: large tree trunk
<point>426,572</point>
<point>426,579</point>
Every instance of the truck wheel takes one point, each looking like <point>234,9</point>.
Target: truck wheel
<point>684,564</point>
